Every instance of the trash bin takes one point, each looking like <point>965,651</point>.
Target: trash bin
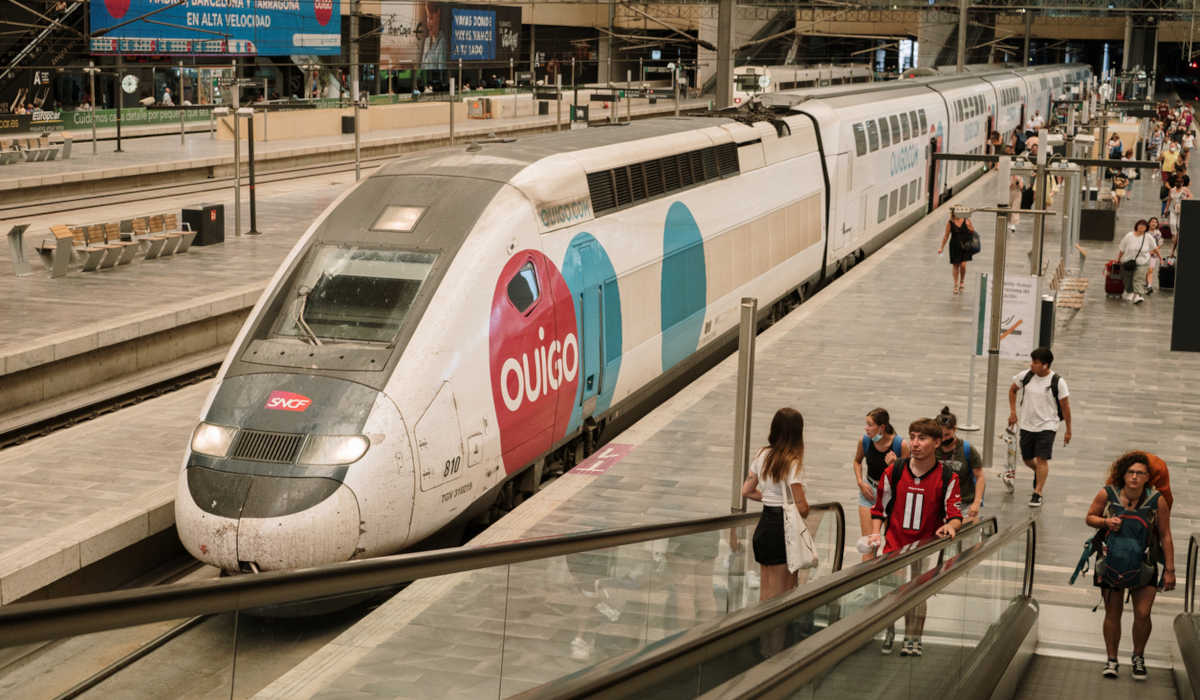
<point>543,108</point>
<point>208,221</point>
<point>1097,221</point>
<point>579,113</point>
<point>348,124</point>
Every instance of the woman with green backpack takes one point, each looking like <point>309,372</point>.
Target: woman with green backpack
<point>1135,528</point>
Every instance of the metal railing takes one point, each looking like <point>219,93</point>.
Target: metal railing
<point>803,663</point>
<point>22,623</point>
<point>1187,627</point>
<point>636,672</point>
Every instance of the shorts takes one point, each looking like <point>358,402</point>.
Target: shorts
<point>862,501</point>
<point>1151,574</point>
<point>769,547</point>
<point>1037,444</point>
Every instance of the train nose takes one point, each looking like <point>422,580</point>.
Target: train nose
<point>248,521</point>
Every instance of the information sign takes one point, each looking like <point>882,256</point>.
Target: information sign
<point>1018,316</point>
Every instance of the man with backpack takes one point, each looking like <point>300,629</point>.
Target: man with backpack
<point>918,500</point>
<point>1043,404</point>
<point>1133,539</point>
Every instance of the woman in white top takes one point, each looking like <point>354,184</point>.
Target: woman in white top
<point>778,463</point>
<point>1136,246</point>
<point>1175,199</point>
<point>1156,257</point>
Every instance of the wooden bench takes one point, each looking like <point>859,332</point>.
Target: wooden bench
<point>141,232</point>
<point>98,253</point>
<point>56,255</point>
<point>186,234</point>
<point>172,238</point>
<point>112,236</point>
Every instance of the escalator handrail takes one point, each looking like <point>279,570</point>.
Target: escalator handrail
<point>1189,593</point>
<point>672,655</point>
<point>22,623</point>
<point>794,667</point>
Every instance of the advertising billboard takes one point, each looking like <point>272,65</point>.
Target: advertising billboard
<point>432,35</point>
<point>229,27</point>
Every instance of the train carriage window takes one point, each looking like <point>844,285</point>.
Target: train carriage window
<point>924,124</point>
<point>892,201</point>
<point>345,293</point>
<point>882,209</point>
<point>917,128</point>
<point>523,288</point>
<point>873,135</point>
<point>860,139</point>
<point>958,110</point>
<point>904,195</point>
<point>904,126</point>
<point>885,138</point>
<point>913,188</point>
<point>895,122</point>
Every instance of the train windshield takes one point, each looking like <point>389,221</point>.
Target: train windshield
<point>746,82</point>
<point>347,293</point>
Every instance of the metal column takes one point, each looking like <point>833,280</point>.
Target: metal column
<point>960,65</point>
<point>745,400</point>
<point>724,54</point>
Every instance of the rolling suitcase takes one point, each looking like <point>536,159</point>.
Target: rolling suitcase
<point>1166,273</point>
<point>1112,278</point>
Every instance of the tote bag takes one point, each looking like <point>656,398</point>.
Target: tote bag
<point>801,550</point>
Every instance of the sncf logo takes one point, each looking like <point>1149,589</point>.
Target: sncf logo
<point>287,401</point>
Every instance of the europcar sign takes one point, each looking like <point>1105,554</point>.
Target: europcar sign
<point>242,27</point>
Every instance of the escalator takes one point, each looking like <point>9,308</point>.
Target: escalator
<point>672,611</point>
<point>827,640</point>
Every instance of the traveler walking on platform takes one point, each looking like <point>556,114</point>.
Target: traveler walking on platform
<point>1015,186</point>
<point>881,447</point>
<point>1043,404</point>
<point>917,499</point>
<point>1133,254</point>
<point>775,465</point>
<point>965,461</point>
<point>1135,525</point>
<point>1179,192</point>
<point>958,231</point>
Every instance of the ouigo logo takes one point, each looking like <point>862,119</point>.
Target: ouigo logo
<point>287,401</point>
<point>534,356</point>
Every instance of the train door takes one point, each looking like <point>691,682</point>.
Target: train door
<point>844,228</point>
<point>931,175</point>
<point>591,337</point>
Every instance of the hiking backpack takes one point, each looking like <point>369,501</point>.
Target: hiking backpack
<point>1125,558</point>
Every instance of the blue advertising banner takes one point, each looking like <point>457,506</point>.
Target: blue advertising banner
<point>472,34</point>
<point>230,27</point>
<point>431,34</point>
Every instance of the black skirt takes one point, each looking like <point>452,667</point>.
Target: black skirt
<point>769,547</point>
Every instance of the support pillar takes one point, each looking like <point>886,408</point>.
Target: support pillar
<point>961,61</point>
<point>1028,31</point>
<point>724,54</point>
<point>1128,46</point>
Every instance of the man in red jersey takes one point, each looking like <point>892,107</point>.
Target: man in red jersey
<point>918,500</point>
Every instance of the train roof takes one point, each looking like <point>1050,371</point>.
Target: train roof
<point>500,159</point>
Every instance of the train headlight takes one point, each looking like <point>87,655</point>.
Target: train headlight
<point>333,449</point>
<point>212,440</point>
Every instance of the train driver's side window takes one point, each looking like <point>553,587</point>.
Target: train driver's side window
<point>860,139</point>
<point>523,288</point>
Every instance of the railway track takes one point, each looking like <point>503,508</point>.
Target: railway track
<point>200,186</point>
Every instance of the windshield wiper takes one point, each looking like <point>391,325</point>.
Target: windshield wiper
<point>303,293</point>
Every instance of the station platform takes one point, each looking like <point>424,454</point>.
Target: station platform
<point>889,333</point>
<point>153,159</point>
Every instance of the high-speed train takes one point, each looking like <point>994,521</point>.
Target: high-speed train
<point>748,81</point>
<point>468,313</point>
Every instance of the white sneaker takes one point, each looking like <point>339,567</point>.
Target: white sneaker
<point>1127,296</point>
<point>1138,298</point>
<point>608,611</point>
